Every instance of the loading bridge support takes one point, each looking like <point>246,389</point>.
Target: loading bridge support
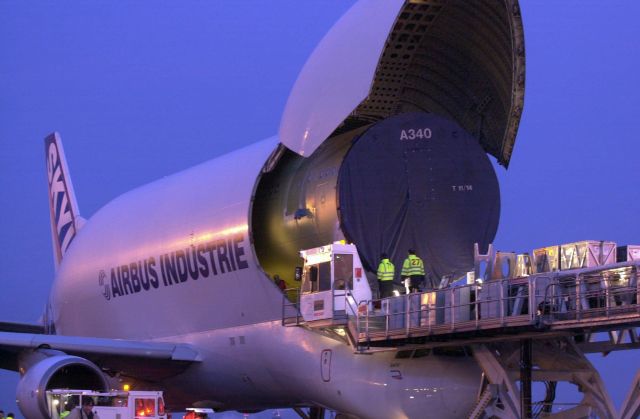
<point>631,406</point>
<point>526,358</point>
<point>504,403</point>
<point>553,360</point>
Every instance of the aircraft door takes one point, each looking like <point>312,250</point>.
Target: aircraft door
<point>342,280</point>
<point>343,271</point>
<point>325,365</point>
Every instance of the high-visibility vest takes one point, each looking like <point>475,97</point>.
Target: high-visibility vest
<point>412,265</point>
<point>386,270</point>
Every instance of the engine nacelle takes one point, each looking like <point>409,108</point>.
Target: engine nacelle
<point>57,371</point>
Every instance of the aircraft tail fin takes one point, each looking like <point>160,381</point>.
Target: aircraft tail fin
<point>65,217</point>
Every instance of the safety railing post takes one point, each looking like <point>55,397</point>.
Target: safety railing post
<point>635,274</point>
<point>366,324</point>
<point>431,306</point>
<point>386,325</point>
<point>407,314</point>
<point>333,303</point>
<point>532,290</point>
<point>607,294</point>
<point>298,306</point>
<point>357,316</point>
<point>502,319</point>
<point>504,285</point>
<point>578,297</point>
<point>453,311</point>
<point>477,305</point>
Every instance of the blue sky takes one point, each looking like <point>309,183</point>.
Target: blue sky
<point>139,92</point>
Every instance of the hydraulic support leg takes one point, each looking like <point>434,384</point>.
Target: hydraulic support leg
<point>631,407</point>
<point>506,394</point>
<point>555,360</point>
<point>526,355</point>
<point>316,413</point>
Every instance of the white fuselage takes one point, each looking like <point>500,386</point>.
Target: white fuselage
<point>174,261</point>
<point>270,365</point>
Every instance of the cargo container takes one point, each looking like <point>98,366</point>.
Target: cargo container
<point>587,254</point>
<point>628,253</point>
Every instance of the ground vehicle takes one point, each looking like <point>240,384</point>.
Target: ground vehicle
<point>109,405</point>
<point>199,413</point>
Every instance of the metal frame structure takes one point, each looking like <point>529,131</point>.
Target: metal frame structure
<point>602,299</point>
<point>527,329</point>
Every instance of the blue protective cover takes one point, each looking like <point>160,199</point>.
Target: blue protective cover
<point>419,181</point>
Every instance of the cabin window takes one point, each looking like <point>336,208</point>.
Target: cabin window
<point>324,276</point>
<point>343,270</point>
<point>145,408</point>
<point>317,277</point>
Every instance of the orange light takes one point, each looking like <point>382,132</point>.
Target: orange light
<point>126,387</point>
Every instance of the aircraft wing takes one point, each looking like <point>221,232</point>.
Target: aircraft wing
<point>141,359</point>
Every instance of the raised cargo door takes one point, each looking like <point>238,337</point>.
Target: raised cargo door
<point>338,75</point>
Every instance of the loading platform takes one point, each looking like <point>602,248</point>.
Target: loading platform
<point>519,330</point>
<point>580,301</point>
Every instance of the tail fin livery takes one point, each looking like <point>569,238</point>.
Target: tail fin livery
<point>63,207</point>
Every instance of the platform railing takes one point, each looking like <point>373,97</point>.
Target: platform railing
<point>291,307</point>
<point>350,304</point>
<point>587,296</point>
<point>343,306</point>
<point>449,309</point>
<point>537,301</point>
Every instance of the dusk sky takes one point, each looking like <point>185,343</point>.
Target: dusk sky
<point>140,90</point>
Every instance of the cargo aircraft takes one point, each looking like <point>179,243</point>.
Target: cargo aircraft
<point>383,143</point>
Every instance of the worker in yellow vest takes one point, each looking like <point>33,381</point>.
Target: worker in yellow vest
<point>386,272</point>
<point>413,270</point>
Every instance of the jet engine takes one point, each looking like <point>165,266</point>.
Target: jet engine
<point>53,370</point>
